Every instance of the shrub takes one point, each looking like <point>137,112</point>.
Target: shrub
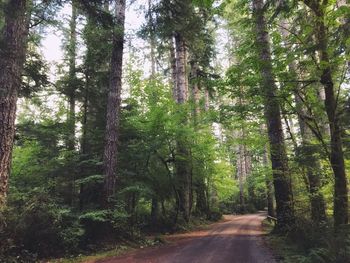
<point>104,225</point>
<point>214,215</point>
<point>38,227</point>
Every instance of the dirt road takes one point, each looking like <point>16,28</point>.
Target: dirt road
<point>235,240</point>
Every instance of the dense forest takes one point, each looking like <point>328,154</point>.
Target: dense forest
<point>205,108</point>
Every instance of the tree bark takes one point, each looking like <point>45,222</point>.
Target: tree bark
<point>84,139</point>
<point>336,151</point>
<point>183,168</point>
<point>183,175</point>
<point>152,41</point>
<point>200,186</point>
<point>240,167</point>
<point>206,100</point>
<point>154,212</point>
<point>195,90</point>
<point>173,67</point>
<point>181,76</point>
<point>201,200</point>
<point>113,102</point>
<point>72,53</point>
<point>12,53</point>
<point>269,185</point>
<point>241,176</point>
<point>272,111</point>
<point>152,38</point>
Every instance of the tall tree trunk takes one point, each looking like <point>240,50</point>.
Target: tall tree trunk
<point>154,212</point>
<point>84,139</point>
<point>12,53</point>
<point>201,200</point>
<point>183,175</point>
<point>245,152</point>
<point>72,90</point>
<point>313,166</point>
<point>113,102</point>
<point>323,122</point>
<point>313,169</point>
<point>336,151</point>
<point>85,144</point>
<point>183,168</point>
<point>195,90</point>
<point>152,41</point>
<point>152,38</point>
<point>181,76</point>
<point>241,166</point>
<point>206,100</point>
<point>173,67</point>
<point>281,175</point>
<point>241,175</point>
<point>269,185</point>
<point>72,53</point>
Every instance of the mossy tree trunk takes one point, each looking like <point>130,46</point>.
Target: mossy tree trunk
<point>272,111</point>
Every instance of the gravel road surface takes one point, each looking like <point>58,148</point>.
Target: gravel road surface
<point>237,239</point>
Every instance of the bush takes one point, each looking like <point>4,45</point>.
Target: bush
<point>308,234</point>
<point>317,243</point>
<point>214,215</point>
<point>38,227</point>
<point>104,225</point>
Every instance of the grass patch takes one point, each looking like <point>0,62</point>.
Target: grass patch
<point>92,258</point>
<point>193,225</point>
<point>120,249</point>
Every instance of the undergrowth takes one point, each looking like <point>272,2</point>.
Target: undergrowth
<point>308,243</point>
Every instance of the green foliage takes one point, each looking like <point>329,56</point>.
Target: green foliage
<point>35,77</point>
<point>44,228</point>
<point>312,244</point>
<point>90,179</point>
<point>222,176</point>
<point>95,216</point>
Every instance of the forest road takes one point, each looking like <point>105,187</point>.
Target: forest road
<point>237,239</point>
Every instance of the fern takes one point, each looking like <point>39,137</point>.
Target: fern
<point>98,178</point>
<point>97,216</point>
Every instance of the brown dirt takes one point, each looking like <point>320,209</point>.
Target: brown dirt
<point>237,239</point>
